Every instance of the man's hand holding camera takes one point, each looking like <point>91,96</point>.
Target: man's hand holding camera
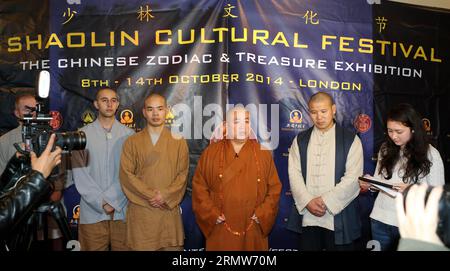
<point>48,159</point>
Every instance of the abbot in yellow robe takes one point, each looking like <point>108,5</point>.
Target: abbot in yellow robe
<point>144,168</point>
<point>237,186</point>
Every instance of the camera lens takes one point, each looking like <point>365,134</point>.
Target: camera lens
<point>71,140</point>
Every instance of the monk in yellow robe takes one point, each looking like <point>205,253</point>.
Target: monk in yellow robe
<point>153,173</point>
<point>236,189</point>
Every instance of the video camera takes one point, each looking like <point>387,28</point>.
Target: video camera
<point>36,131</point>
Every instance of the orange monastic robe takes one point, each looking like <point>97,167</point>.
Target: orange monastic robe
<point>144,168</point>
<point>237,186</point>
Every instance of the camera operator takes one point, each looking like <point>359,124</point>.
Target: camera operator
<point>18,202</point>
<point>22,107</point>
<point>418,223</point>
<point>25,105</point>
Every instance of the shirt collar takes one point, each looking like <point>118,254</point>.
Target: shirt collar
<point>325,134</point>
<point>99,125</point>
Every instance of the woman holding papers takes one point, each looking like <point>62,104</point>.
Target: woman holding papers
<point>404,158</point>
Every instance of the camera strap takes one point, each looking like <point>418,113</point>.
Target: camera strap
<point>20,150</point>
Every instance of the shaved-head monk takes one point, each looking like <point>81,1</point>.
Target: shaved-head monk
<point>236,189</point>
<point>153,172</point>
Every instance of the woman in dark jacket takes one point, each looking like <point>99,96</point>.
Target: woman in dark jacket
<point>21,193</point>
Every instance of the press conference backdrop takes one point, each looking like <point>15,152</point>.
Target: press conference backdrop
<point>206,56</point>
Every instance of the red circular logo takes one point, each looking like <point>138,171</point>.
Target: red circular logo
<point>426,124</point>
<point>57,120</point>
<point>362,123</point>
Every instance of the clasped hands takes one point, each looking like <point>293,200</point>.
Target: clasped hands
<point>317,207</point>
<point>158,201</point>
<point>222,219</point>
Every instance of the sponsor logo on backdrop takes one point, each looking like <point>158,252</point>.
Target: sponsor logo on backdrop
<point>56,121</point>
<point>296,116</point>
<point>75,215</point>
<point>427,126</point>
<point>169,116</point>
<point>88,117</point>
<point>295,121</point>
<point>127,118</point>
<point>362,123</point>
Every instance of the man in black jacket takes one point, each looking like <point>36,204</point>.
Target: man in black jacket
<point>18,201</point>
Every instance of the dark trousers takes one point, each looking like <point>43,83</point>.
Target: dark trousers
<point>319,239</point>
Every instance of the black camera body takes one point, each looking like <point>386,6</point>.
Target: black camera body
<point>36,132</point>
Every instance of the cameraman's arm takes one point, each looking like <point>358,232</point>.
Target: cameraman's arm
<point>48,159</point>
<point>11,173</point>
<point>30,190</point>
<point>18,203</point>
<point>85,184</point>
